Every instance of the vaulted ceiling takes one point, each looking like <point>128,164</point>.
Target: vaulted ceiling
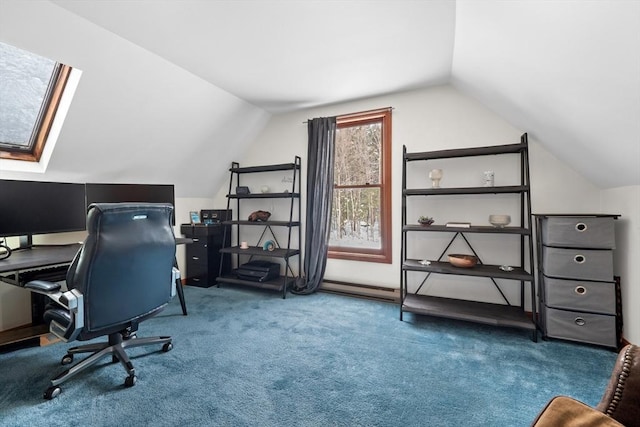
<point>567,72</point>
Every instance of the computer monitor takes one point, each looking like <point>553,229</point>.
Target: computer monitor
<point>118,193</point>
<point>36,207</point>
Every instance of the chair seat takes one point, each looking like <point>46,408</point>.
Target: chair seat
<point>564,411</point>
<point>619,406</point>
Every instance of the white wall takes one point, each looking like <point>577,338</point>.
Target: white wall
<point>433,119</point>
<point>626,202</point>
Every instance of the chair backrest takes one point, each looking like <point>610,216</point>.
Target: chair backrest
<point>124,267</point>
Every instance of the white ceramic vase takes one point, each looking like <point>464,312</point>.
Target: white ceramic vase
<point>435,176</point>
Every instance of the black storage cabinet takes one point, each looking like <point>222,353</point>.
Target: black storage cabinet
<point>203,255</point>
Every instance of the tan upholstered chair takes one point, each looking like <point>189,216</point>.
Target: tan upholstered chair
<point>620,405</point>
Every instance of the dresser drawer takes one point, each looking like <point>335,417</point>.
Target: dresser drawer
<point>588,264</point>
<point>578,232</point>
<point>597,329</point>
<point>596,297</point>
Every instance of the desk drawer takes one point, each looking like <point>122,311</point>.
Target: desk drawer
<point>599,329</point>
<point>203,230</point>
<point>201,281</point>
<point>197,252</point>
<point>595,297</point>
<point>578,232</point>
<point>587,264</point>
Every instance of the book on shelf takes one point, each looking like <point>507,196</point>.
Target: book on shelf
<point>458,224</point>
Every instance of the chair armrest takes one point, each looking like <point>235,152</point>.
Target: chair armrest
<point>68,299</point>
<point>72,301</point>
<point>43,287</point>
<point>175,277</point>
<point>621,399</point>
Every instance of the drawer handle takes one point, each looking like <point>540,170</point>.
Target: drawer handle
<point>580,259</point>
<point>195,257</point>
<point>581,226</point>
<point>580,321</point>
<point>580,290</point>
<point>195,279</point>
<point>195,239</point>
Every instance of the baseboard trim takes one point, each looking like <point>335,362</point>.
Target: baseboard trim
<point>378,293</point>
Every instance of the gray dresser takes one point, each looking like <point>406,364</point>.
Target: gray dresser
<point>579,296</point>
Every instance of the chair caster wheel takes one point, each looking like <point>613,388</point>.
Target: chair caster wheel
<point>167,347</point>
<point>66,359</point>
<point>130,381</point>
<point>52,392</point>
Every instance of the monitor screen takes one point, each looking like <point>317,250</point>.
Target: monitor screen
<point>118,193</point>
<point>34,207</point>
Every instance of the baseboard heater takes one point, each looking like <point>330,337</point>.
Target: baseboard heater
<point>379,293</point>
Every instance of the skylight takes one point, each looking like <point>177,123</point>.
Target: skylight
<point>31,87</point>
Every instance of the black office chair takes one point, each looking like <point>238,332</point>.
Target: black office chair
<point>123,274</point>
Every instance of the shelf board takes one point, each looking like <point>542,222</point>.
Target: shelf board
<point>467,152</point>
<point>472,229</point>
<point>264,196</point>
<point>515,189</point>
<point>24,333</point>
<point>480,270</point>
<point>264,223</point>
<point>266,168</point>
<point>276,284</point>
<point>259,251</point>
<point>473,311</point>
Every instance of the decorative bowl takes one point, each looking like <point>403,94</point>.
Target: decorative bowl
<point>462,260</point>
<point>425,220</point>
<point>499,220</point>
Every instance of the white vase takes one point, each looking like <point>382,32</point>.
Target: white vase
<point>435,176</point>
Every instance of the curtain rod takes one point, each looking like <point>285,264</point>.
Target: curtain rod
<point>360,112</point>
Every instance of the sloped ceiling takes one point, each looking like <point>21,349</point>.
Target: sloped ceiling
<point>567,72</point>
<point>282,55</point>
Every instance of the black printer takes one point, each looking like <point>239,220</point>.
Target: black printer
<point>258,271</point>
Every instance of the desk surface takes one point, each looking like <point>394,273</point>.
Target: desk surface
<point>44,256</point>
<point>39,256</point>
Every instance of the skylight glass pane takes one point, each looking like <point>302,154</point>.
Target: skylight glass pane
<point>24,78</point>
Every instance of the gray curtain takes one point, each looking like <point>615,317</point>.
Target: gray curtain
<point>320,155</point>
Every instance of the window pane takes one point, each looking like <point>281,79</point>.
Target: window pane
<point>355,218</point>
<point>24,79</point>
<point>358,154</point>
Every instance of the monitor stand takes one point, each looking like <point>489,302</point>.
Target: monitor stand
<point>25,242</point>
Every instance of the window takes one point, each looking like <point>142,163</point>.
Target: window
<point>361,210</point>
<point>31,87</point>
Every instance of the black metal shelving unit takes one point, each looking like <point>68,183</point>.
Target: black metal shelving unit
<point>508,314</point>
<point>282,251</point>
